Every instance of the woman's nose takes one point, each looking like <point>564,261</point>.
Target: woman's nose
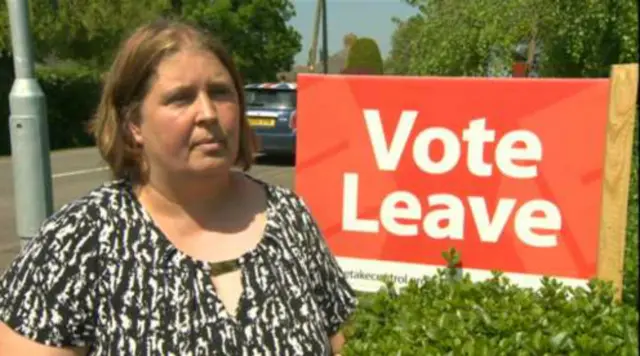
<point>206,109</point>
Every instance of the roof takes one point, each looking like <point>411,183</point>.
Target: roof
<point>335,62</point>
<point>281,85</point>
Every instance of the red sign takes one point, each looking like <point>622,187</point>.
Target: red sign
<point>397,170</point>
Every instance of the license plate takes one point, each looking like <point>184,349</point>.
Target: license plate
<point>262,122</point>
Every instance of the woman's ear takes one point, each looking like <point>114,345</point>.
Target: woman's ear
<point>135,131</point>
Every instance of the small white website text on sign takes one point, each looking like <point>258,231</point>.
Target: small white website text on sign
<point>517,154</point>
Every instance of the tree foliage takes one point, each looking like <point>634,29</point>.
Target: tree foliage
<point>403,43</point>
<point>89,31</point>
<point>364,57</point>
<point>256,31</point>
<point>583,38</point>
<point>576,38</point>
<point>85,31</point>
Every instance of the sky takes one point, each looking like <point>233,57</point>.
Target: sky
<point>365,18</point>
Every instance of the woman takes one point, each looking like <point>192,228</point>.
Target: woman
<point>180,254</point>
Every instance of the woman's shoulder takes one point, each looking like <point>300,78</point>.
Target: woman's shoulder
<point>77,225</point>
<point>94,206</point>
<point>69,237</point>
<point>47,293</point>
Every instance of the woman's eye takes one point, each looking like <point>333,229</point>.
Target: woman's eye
<point>221,91</point>
<point>180,99</point>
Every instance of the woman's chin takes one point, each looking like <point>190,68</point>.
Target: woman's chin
<point>210,164</point>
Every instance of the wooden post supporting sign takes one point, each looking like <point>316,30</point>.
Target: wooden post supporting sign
<point>617,171</point>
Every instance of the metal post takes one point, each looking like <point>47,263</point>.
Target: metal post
<point>314,38</point>
<point>325,40</point>
<point>29,131</point>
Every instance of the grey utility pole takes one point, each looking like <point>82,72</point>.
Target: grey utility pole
<point>29,131</point>
<point>325,40</point>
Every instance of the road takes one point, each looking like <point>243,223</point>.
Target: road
<point>75,172</point>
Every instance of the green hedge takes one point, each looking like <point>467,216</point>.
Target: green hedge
<point>630,274</point>
<point>443,315</point>
<point>72,94</point>
<point>6,80</point>
<point>364,58</point>
<point>72,97</point>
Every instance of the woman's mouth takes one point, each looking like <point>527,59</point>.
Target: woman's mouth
<point>210,144</point>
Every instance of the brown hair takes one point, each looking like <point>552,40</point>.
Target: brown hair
<point>128,81</point>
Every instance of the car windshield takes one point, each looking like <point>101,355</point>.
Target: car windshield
<point>271,98</point>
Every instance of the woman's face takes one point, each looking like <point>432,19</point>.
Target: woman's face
<point>190,118</point>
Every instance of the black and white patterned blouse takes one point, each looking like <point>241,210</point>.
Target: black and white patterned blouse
<point>102,274</point>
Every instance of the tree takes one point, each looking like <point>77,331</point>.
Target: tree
<point>255,31</point>
<point>402,45</point>
<point>364,57</point>
<point>574,38</point>
<point>89,31</point>
<point>583,38</point>
<point>85,31</point>
<point>462,37</point>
